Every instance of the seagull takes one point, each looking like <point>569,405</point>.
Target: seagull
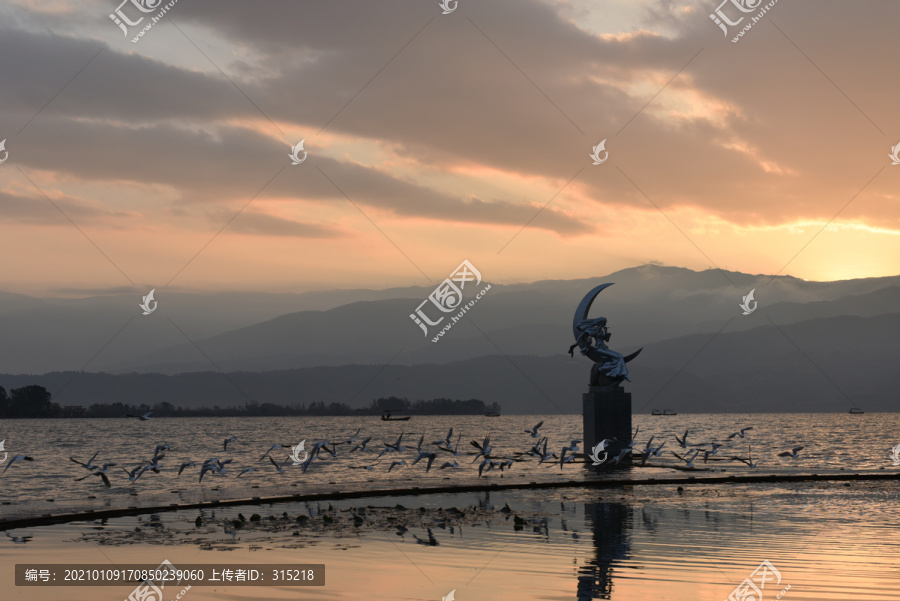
<point>14,459</point>
<point>101,471</point>
<point>227,440</point>
<point>648,451</point>
<point>393,447</point>
<point>184,465</point>
<point>136,473</point>
<point>657,452</point>
<point>484,449</point>
<point>741,433</point>
<point>213,466</point>
<point>320,445</point>
<point>424,454</point>
<point>573,446</point>
<point>452,450</point>
<point>280,468</point>
<point>544,456</point>
<point>563,459</point>
<point>749,460</point>
<point>305,465</point>
<point>143,418</point>
<point>688,457</point>
<point>683,440</point>
<point>362,446</point>
<point>248,470</point>
<point>88,466</point>
<point>396,463</point>
<point>445,442</point>
<point>448,464</point>
<point>534,451</point>
<point>222,464</point>
<point>621,455</point>
<point>792,453</point>
<point>486,463</point>
<point>274,446</point>
<point>369,467</point>
<point>154,466</point>
<point>534,431</point>
<point>349,440</point>
<point>161,447</point>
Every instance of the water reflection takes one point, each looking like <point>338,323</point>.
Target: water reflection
<point>611,524</point>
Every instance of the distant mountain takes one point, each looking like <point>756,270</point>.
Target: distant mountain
<point>259,331</point>
<point>646,306</point>
<point>826,364</point>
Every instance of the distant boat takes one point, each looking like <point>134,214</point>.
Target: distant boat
<point>663,412</point>
<point>669,412</point>
<point>856,411</point>
<point>387,417</point>
<point>656,412</point>
<point>492,414</point>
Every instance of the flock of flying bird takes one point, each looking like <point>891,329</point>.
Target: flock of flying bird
<point>445,448</point>
<point>691,450</point>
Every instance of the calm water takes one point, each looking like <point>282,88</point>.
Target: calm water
<point>831,441</point>
<point>827,541</point>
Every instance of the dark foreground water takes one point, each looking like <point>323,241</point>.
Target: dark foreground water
<point>825,541</point>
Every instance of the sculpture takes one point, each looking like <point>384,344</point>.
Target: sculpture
<point>591,335</point>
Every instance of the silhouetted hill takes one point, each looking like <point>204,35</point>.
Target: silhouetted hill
<point>805,366</point>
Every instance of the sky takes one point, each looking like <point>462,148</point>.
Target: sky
<point>431,138</point>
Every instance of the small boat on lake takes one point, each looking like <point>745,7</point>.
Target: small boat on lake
<point>386,416</point>
<point>856,411</point>
<point>492,414</point>
<point>669,412</point>
<point>656,412</point>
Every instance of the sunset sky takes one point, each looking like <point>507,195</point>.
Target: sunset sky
<point>435,138</point>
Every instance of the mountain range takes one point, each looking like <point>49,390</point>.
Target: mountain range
<point>808,345</point>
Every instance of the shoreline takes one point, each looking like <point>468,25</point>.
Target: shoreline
<point>62,518</point>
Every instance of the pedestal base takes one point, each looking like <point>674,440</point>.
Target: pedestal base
<point>607,415</point>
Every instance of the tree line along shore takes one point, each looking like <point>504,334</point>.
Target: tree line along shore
<point>36,402</point>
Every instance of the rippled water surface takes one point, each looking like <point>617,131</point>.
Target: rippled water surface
<point>827,541</point>
<point>48,484</point>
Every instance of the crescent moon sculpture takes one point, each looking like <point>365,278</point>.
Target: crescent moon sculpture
<point>591,336</point>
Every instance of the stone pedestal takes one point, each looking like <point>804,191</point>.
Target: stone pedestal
<point>607,415</point>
